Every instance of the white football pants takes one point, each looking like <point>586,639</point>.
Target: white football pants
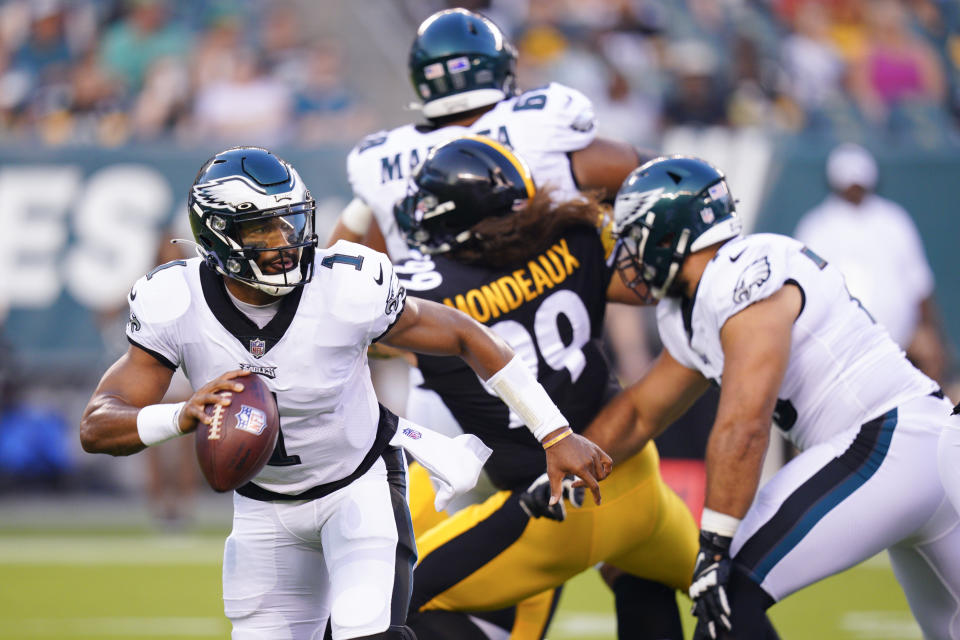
<point>870,488</point>
<point>288,566</point>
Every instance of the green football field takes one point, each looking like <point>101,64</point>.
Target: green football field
<point>140,585</point>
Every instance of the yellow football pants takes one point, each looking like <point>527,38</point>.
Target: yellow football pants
<point>533,614</point>
<point>491,556</point>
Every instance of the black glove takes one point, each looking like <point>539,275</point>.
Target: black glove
<point>536,499</point>
<point>708,589</point>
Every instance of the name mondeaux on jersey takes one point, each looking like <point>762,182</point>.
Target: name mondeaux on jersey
<point>312,354</point>
<point>541,125</point>
<point>550,311</point>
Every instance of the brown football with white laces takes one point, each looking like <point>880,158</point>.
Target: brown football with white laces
<point>236,445</point>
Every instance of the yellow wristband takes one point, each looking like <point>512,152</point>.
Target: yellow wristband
<point>552,441</point>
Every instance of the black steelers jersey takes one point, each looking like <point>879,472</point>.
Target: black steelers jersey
<point>550,310</point>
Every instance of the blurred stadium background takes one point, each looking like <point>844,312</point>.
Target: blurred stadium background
<point>108,107</point>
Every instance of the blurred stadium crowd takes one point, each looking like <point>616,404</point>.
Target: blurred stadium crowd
<point>79,77</point>
<point>108,72</point>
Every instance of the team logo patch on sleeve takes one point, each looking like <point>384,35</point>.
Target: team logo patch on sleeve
<point>413,434</point>
<point>756,273</point>
<point>251,420</point>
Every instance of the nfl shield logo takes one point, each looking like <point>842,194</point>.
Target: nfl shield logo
<point>251,420</point>
<point>257,347</point>
<point>411,433</point>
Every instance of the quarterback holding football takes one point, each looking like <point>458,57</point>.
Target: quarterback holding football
<point>323,530</point>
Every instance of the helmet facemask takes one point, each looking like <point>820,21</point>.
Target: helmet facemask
<point>253,220</point>
<point>650,270</point>
<point>285,235</point>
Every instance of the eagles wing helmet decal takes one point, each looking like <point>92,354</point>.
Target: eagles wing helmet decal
<point>631,206</point>
<point>232,191</point>
<point>756,273</point>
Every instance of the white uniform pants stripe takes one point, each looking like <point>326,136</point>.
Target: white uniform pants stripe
<point>840,502</point>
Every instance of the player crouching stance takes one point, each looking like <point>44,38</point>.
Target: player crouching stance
<point>770,322</point>
<point>323,531</point>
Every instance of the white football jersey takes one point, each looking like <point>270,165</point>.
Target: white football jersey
<point>843,370</point>
<point>312,355</point>
<point>541,125</point>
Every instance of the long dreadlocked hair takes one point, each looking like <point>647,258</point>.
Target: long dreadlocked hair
<point>500,241</point>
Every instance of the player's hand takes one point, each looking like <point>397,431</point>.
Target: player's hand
<point>536,499</point>
<point>192,413</point>
<point>575,455</point>
<point>708,589</point>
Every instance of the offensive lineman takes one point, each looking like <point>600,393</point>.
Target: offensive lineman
<point>536,272</point>
<point>324,529</point>
<point>774,326</point>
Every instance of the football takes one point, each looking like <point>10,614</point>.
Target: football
<point>236,445</point>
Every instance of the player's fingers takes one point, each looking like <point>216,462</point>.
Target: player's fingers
<point>606,463</point>
<point>556,486</point>
<point>599,472</point>
<point>592,483</point>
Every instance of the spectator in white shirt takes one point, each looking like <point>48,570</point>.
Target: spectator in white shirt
<point>878,248</point>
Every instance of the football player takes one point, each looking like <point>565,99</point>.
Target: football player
<point>536,271</point>
<point>324,529</point>
<point>463,71</point>
<point>772,323</point>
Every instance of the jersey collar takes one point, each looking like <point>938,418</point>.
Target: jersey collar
<point>254,339</point>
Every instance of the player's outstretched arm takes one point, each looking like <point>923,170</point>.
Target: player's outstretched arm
<point>358,224</point>
<point>642,411</point>
<point>604,164</point>
<point>431,328</point>
<point>123,415</point>
<point>756,350</point>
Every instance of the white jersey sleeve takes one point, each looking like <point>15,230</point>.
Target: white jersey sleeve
<point>157,301</point>
<point>744,273</point>
<point>366,291</point>
<point>561,119</point>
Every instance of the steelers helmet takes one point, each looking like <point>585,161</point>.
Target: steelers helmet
<point>460,61</point>
<point>665,210</point>
<point>245,202</point>
<point>459,184</point>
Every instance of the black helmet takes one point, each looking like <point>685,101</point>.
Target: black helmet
<point>241,200</point>
<point>460,61</point>
<point>664,211</point>
<point>459,184</point>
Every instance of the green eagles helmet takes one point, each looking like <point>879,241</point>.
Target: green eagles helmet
<point>460,183</point>
<point>460,61</point>
<point>246,202</point>
<point>665,210</point>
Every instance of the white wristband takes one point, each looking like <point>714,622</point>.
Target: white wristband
<point>517,387</point>
<point>158,423</point>
<point>719,523</point>
<point>357,216</point>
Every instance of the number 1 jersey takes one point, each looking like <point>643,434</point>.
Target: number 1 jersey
<point>312,354</point>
